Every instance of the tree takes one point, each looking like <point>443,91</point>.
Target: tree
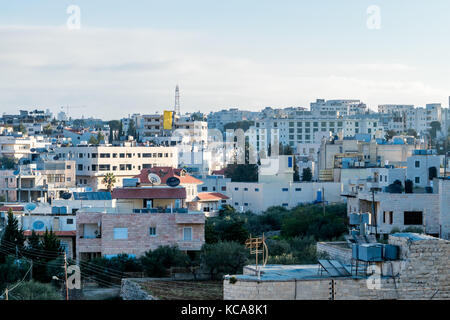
<point>435,126</point>
<point>93,140</point>
<point>109,180</point>
<point>100,137</point>
<point>395,187</point>
<point>156,263</point>
<point>51,245</point>
<point>48,130</point>
<point>390,134</point>
<point>307,174</point>
<point>310,221</point>
<point>223,257</point>
<point>7,163</point>
<point>12,270</point>
<point>12,240</point>
<point>412,132</point>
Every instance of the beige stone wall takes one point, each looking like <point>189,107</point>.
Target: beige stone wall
<point>423,273</point>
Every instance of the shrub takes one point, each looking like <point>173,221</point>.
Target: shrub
<point>223,257</point>
<point>156,263</point>
<point>33,290</point>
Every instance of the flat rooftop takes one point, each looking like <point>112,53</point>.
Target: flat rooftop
<point>414,236</point>
<point>288,273</point>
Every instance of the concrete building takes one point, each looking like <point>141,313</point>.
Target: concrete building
<point>141,219</point>
<point>20,147</point>
<point>40,181</point>
<point>275,187</point>
<point>94,162</point>
<point>340,107</point>
<point>423,166</point>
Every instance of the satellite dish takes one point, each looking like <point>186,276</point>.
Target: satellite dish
<point>30,206</point>
<point>55,158</point>
<point>33,150</point>
<point>173,181</point>
<point>154,178</point>
<point>66,195</point>
<point>16,172</point>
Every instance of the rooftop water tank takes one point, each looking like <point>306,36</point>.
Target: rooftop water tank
<point>370,252</point>
<point>390,252</point>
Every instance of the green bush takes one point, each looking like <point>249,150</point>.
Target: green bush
<point>223,257</point>
<point>156,263</point>
<point>33,290</point>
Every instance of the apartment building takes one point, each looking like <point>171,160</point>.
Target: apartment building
<point>218,119</point>
<point>340,154</point>
<point>42,181</point>
<point>141,219</point>
<point>21,147</point>
<point>94,162</point>
<point>275,187</point>
<point>340,107</point>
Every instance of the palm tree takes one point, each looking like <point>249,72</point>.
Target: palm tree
<point>109,180</point>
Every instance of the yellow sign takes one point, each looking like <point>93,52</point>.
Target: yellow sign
<point>167,125</point>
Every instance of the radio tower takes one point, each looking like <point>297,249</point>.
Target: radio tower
<point>177,101</point>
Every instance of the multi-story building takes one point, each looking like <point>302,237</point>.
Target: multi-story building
<point>218,120</point>
<point>40,181</point>
<point>275,187</point>
<point>340,107</point>
<point>20,147</point>
<point>94,162</point>
<point>141,219</point>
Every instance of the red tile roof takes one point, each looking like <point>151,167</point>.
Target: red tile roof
<point>211,196</point>
<point>149,193</point>
<point>72,233</point>
<point>6,208</point>
<point>220,172</point>
<point>165,173</point>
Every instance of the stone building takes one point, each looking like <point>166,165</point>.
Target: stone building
<point>420,273</point>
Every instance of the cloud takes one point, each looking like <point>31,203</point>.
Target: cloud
<point>115,72</point>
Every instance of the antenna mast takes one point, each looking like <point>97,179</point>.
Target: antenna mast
<point>177,101</point>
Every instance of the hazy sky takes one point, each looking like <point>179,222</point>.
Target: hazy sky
<point>128,56</point>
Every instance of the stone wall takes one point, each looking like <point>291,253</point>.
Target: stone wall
<point>336,251</point>
<point>421,273</point>
<point>131,290</point>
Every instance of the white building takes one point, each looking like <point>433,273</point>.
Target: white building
<point>94,162</point>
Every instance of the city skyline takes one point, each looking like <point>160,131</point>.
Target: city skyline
<point>128,59</point>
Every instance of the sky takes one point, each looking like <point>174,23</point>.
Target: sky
<point>128,56</point>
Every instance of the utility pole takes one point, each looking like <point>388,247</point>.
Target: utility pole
<point>373,211</point>
<point>6,293</point>
<point>65,271</point>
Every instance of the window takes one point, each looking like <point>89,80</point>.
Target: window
<point>246,204</point>
<point>187,234</point>
<point>204,188</point>
<point>120,233</point>
<point>412,218</point>
<point>245,189</point>
<point>69,221</point>
<point>236,189</point>
<point>152,231</point>
<point>224,188</point>
<point>298,189</point>
<point>69,167</point>
<point>80,167</point>
<point>285,204</point>
<point>417,179</point>
<point>417,164</point>
<point>285,189</point>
